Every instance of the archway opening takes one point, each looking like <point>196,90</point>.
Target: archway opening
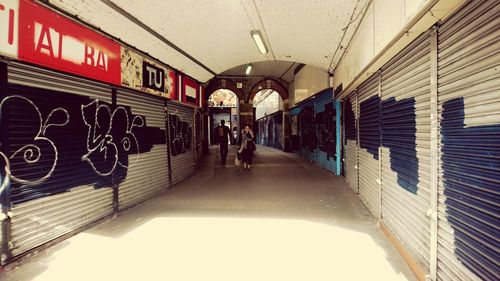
<point>269,118</point>
<point>223,104</point>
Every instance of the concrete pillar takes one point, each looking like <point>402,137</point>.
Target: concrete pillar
<point>246,114</point>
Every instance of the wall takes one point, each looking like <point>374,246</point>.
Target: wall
<point>378,28</point>
<point>269,105</point>
<point>309,81</point>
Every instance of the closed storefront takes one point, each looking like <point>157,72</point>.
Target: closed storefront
<point>351,141</point>
<point>326,129</point>
<point>369,143</point>
<point>62,163</point>
<point>469,138</point>
<point>405,152</point>
<point>181,140</point>
<point>308,130</point>
<point>295,129</point>
<point>147,166</point>
<point>428,155</point>
<point>270,130</point>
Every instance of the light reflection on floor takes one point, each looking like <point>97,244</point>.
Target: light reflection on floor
<point>219,249</point>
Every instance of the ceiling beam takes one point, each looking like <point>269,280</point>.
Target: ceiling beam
<point>155,34</point>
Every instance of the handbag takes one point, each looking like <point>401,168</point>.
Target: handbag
<point>237,161</point>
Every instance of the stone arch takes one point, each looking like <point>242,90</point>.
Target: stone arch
<point>218,84</point>
<point>268,83</point>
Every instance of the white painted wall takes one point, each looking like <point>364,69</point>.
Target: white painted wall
<point>309,81</point>
<point>269,105</point>
<point>383,20</point>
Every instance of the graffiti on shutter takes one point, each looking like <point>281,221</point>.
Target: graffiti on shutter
<point>325,121</point>
<point>52,134</point>
<point>398,120</point>
<point>470,163</point>
<point>308,128</point>
<point>181,135</point>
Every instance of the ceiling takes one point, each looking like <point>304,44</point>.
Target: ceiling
<point>205,38</point>
<point>280,69</point>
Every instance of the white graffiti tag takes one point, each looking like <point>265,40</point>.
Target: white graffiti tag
<point>110,138</point>
<point>32,153</point>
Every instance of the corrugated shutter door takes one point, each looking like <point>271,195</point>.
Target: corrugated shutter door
<point>308,131</point>
<point>369,142</point>
<point>181,138</point>
<point>324,107</point>
<point>57,192</point>
<point>406,147</point>
<point>199,134</point>
<point>147,172</point>
<point>351,141</point>
<point>469,175</point>
<point>295,129</point>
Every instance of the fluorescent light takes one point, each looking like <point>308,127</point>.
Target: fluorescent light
<point>257,38</point>
<point>249,69</point>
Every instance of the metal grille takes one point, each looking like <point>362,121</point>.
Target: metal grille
<point>56,192</point>
<point>295,129</point>
<point>148,174</point>
<point>351,141</point>
<point>308,130</point>
<point>369,142</point>
<point>469,144</point>
<point>181,134</point>
<point>406,147</point>
<point>326,130</point>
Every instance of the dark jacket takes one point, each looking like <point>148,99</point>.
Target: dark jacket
<point>222,134</point>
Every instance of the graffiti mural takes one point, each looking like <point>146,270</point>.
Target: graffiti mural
<point>58,141</point>
<point>369,127</point>
<point>181,135</point>
<point>325,121</point>
<point>271,130</point>
<point>351,132</point>
<point>397,124</point>
<point>308,128</point>
<point>470,158</point>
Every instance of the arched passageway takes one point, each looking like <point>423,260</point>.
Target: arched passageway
<point>223,104</point>
<point>269,119</point>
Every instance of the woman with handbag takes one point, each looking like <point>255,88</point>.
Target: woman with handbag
<point>246,147</point>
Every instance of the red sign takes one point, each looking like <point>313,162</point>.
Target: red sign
<point>189,90</point>
<point>48,39</point>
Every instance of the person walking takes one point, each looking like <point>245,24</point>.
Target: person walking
<point>246,147</point>
<point>223,136</point>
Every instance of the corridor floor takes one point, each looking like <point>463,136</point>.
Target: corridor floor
<point>287,219</point>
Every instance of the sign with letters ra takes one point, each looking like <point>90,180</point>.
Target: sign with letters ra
<point>52,40</point>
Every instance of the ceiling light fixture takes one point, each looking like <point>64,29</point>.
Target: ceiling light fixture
<point>257,38</point>
<point>249,69</point>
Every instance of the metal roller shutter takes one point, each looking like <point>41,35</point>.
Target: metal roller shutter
<point>351,141</point>
<point>147,173</point>
<point>469,144</point>
<point>325,111</point>
<point>295,130</point>
<point>199,133</point>
<point>308,130</point>
<point>369,143</point>
<point>181,138</point>
<point>406,87</point>
<point>54,190</point>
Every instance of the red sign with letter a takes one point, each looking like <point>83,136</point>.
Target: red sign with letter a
<point>51,40</point>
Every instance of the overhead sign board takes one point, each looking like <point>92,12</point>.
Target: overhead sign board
<point>51,40</point>
<point>9,19</point>
<point>143,74</point>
